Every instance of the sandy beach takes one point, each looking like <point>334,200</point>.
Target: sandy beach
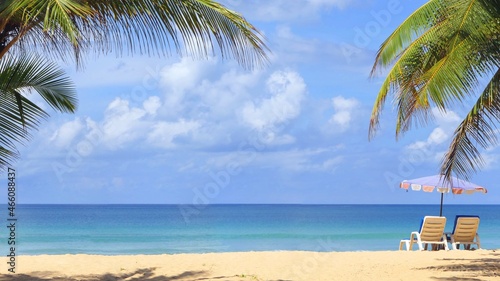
<point>383,265</point>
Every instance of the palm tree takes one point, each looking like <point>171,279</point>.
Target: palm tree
<point>19,78</point>
<point>440,56</point>
<point>68,29</point>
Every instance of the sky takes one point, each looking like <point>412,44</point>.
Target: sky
<point>176,130</point>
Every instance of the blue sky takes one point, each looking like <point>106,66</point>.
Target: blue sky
<point>178,130</point>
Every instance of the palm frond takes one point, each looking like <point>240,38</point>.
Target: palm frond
<point>441,66</point>
<point>7,157</point>
<point>36,74</point>
<point>18,114</point>
<point>143,26</point>
<point>413,27</point>
<point>402,78</point>
<point>463,156</point>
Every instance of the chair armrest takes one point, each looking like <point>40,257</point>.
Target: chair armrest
<point>415,234</point>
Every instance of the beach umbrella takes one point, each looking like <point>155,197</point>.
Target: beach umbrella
<point>439,184</point>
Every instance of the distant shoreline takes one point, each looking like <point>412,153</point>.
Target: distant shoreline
<point>250,204</point>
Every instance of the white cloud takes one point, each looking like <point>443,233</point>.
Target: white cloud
<point>185,74</point>
<point>446,124</point>
<point>428,150</point>
<point>437,136</point>
<point>220,99</point>
<point>152,104</point>
<point>202,107</point>
<point>198,107</point>
<point>434,148</point>
<point>122,123</point>
<point>287,90</point>
<point>164,133</point>
<point>446,119</point>
<point>178,79</point>
<point>344,110</point>
<point>197,90</point>
<point>63,136</point>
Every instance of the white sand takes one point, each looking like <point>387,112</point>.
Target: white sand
<point>307,266</point>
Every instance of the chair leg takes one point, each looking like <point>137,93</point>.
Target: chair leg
<point>454,245</point>
<point>405,242</point>
<point>445,242</point>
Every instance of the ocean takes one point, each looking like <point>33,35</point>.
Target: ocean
<point>169,229</point>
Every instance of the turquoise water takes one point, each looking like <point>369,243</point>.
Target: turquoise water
<point>158,229</point>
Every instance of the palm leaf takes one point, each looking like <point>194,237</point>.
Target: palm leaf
<point>143,26</point>
<point>413,27</point>
<point>18,114</point>
<point>39,75</point>
<point>6,157</point>
<point>477,128</point>
<point>440,56</point>
<point>435,68</point>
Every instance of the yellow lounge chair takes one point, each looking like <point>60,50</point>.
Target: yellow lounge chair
<point>464,232</point>
<point>431,232</point>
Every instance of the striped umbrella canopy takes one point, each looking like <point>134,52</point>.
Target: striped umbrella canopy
<point>439,184</point>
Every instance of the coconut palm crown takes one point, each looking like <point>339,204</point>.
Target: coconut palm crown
<point>441,56</point>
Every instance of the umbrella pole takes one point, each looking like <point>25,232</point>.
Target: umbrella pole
<point>441,207</point>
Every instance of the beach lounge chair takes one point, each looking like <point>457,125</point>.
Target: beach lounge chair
<point>431,232</point>
<point>464,232</point>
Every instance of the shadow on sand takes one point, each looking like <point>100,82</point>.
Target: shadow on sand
<point>470,269</point>
<point>145,274</point>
